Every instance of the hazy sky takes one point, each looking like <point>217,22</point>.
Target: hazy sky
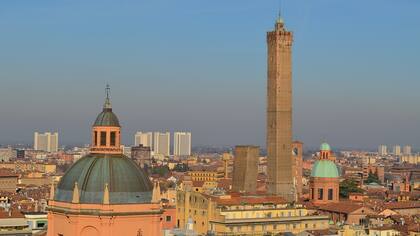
<point>201,66</point>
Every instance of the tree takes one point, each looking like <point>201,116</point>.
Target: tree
<point>181,167</point>
<point>160,170</point>
<point>348,186</point>
<point>372,178</point>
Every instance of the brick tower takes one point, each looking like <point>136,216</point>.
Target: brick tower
<point>279,112</point>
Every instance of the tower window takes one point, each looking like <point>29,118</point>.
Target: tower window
<point>95,138</point>
<point>103,138</point>
<point>113,138</point>
<point>330,194</point>
<point>320,194</point>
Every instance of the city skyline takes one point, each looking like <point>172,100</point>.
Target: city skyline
<point>360,93</point>
<point>324,142</point>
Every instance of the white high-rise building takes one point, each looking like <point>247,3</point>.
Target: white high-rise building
<point>396,150</point>
<point>407,150</point>
<point>145,139</point>
<point>382,150</point>
<point>47,142</point>
<point>161,143</point>
<point>182,143</point>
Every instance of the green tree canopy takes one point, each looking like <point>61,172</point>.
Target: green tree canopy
<point>372,178</point>
<point>160,170</point>
<point>348,186</point>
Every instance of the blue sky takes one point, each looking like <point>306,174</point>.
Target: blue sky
<point>201,66</point>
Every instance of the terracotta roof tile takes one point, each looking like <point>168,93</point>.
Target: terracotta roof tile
<point>340,207</point>
<point>402,205</point>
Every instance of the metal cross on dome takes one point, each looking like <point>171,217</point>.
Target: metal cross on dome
<point>107,90</point>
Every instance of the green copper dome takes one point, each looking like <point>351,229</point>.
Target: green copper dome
<point>127,183</point>
<point>107,118</point>
<point>325,169</point>
<point>325,147</point>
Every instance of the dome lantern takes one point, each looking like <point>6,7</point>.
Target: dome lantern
<point>106,131</point>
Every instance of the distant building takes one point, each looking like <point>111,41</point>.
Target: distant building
<point>382,150</point>
<point>208,174</point>
<point>45,168</point>
<point>161,143</point>
<point>20,154</point>
<point>346,212</point>
<point>47,142</point>
<point>142,155</point>
<point>226,157</point>
<point>8,182</point>
<point>6,154</point>
<point>411,159</point>
<point>245,169</point>
<point>396,150</point>
<point>145,139</point>
<point>126,150</point>
<point>182,144</point>
<point>407,150</point>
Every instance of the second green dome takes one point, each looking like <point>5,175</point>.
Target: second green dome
<point>325,169</point>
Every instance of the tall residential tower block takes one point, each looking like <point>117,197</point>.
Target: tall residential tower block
<point>47,142</point>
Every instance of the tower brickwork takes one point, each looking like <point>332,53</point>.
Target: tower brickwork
<point>245,169</point>
<point>279,113</point>
<point>297,148</point>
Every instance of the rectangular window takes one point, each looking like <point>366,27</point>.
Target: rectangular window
<point>168,218</point>
<point>320,194</point>
<point>112,138</point>
<point>330,194</point>
<point>103,138</point>
<point>95,138</point>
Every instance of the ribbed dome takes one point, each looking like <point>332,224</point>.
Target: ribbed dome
<point>127,183</point>
<point>325,169</point>
<point>107,118</point>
